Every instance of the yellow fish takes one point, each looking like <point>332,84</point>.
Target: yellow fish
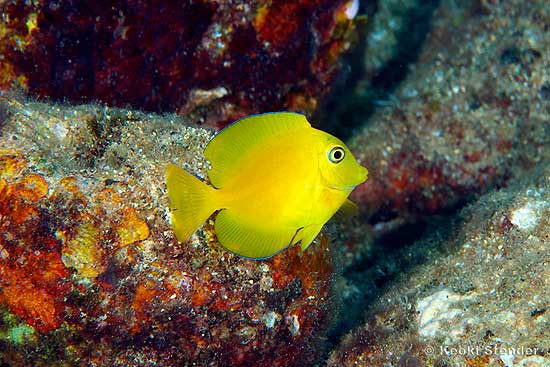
<point>276,182</point>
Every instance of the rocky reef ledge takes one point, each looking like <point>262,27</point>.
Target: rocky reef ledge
<point>91,274</point>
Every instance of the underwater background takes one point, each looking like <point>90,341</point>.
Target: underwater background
<point>447,103</point>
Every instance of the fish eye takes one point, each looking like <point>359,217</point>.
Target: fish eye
<point>336,154</point>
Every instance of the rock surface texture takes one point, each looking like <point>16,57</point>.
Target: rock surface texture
<point>472,112</point>
<point>478,297</point>
<point>220,59</point>
<point>90,272</point>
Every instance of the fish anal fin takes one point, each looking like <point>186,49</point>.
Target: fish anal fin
<point>308,234</point>
<point>249,241</point>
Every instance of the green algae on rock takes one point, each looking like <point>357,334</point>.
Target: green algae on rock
<point>90,271</point>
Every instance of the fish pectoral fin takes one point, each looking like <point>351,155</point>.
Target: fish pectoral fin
<point>308,234</point>
<point>347,210</point>
<point>250,241</point>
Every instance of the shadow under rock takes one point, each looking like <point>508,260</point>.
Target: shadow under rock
<point>393,256</point>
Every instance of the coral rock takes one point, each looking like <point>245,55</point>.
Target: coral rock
<point>463,121</point>
<point>478,298</point>
<point>233,58</point>
<point>90,270</point>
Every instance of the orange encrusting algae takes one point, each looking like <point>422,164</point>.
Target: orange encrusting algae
<point>37,249</point>
<point>31,272</point>
<point>35,291</point>
<point>145,292</point>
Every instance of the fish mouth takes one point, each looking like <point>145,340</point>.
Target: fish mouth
<point>361,178</point>
<point>343,189</point>
<point>364,175</point>
<point>346,189</point>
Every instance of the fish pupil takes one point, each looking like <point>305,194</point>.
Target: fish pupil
<point>336,154</point>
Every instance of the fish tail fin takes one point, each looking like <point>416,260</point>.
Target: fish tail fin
<point>191,201</point>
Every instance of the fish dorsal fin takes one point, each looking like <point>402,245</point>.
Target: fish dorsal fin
<point>227,148</point>
<point>250,241</point>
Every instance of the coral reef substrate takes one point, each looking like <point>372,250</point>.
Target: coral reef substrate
<point>477,294</point>
<point>232,58</point>
<point>90,271</point>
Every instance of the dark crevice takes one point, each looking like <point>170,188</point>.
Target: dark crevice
<point>342,118</point>
<point>394,255</point>
<point>397,253</point>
